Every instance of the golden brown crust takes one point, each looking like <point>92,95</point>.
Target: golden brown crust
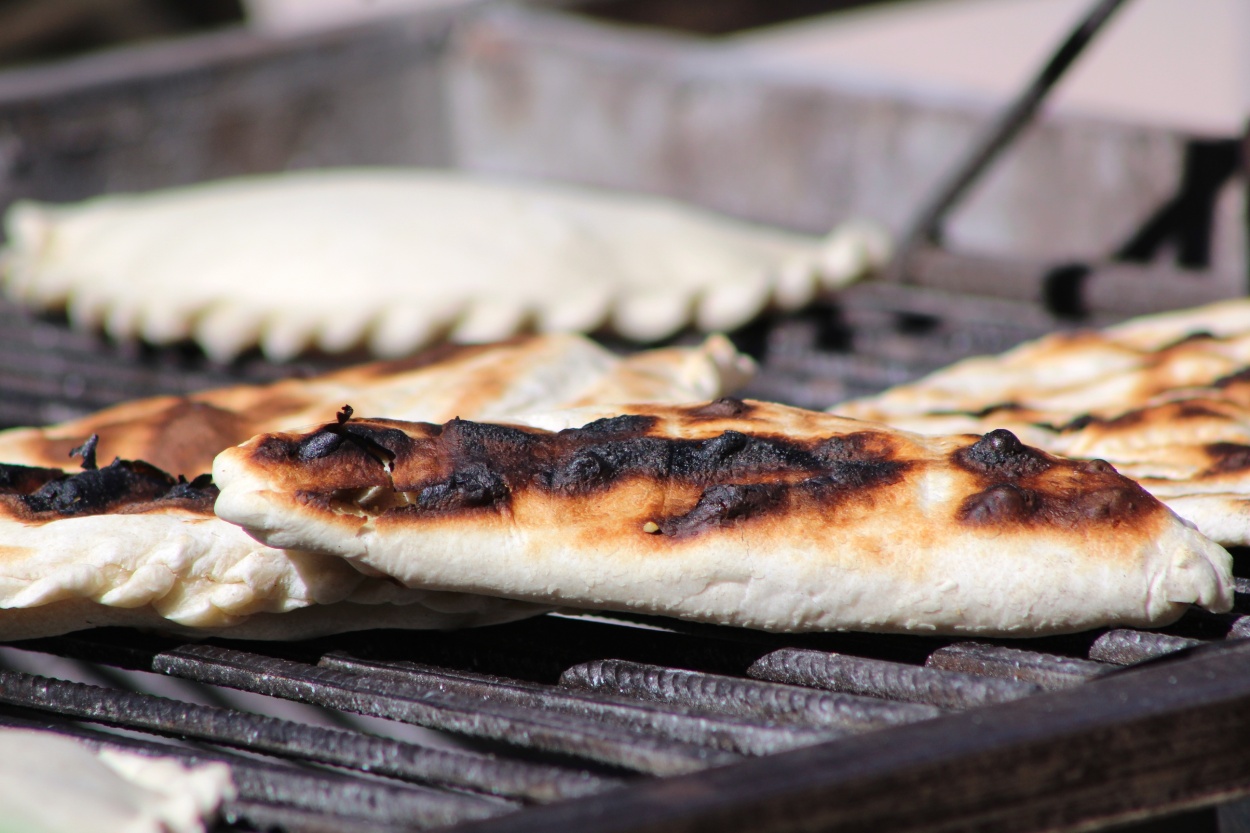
<point>34,495</point>
<point>737,513</point>
<point>182,434</point>
<point>686,470</point>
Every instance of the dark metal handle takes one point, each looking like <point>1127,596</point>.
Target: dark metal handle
<point>926,228</point>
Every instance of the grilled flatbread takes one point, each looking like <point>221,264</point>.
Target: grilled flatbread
<point>182,434</point>
<point>400,258</point>
<point>1165,398</point>
<point>732,512</point>
<point>128,544</point>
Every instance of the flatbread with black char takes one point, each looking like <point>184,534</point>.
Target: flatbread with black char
<point>740,513</point>
<point>128,544</point>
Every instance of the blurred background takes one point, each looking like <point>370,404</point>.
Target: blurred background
<point>1126,195</point>
<point>801,113</point>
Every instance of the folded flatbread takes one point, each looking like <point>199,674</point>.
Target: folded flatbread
<point>182,434</point>
<point>128,544</point>
<point>1165,398</point>
<point>739,513</point>
<point>399,258</point>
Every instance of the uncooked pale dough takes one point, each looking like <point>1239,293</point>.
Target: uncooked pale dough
<point>738,513</point>
<point>399,258</point>
<point>54,784</point>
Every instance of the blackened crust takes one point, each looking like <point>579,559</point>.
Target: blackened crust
<point>1227,458</point>
<point>123,486</point>
<point>469,467</point>
<point>727,475</point>
<point>1000,455</point>
<point>1024,487</point>
<point>22,480</point>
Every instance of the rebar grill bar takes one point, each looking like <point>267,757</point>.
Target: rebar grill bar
<point>748,698</point>
<point>285,738</point>
<point>878,678</point>
<point>436,710</point>
<point>551,742</point>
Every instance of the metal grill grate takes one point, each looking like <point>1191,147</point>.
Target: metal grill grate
<point>539,722</point>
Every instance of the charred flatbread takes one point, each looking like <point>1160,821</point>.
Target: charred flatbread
<point>1165,398</point>
<point>397,259</point>
<point>130,544</point>
<point>740,513</point>
<point>127,544</point>
<point>182,434</point>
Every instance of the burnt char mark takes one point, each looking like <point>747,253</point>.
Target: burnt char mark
<point>87,452</point>
<point>635,425</point>
<point>725,504</point>
<point>1007,505</point>
<point>469,488</point>
<point>724,407</point>
<point>594,456</point>
<point>1000,455</point>
<point>584,470</point>
<point>724,448</point>
<point>1185,409</point>
<point>998,407</point>
<point>467,466</point>
<point>734,452</point>
<point>988,410</point>
<point>22,480</point>
<point>1077,423</point>
<point>1001,503</point>
<point>464,439</point>
<point>382,444</point>
<point>1227,457</point>
<point>1196,410</point>
<point>318,445</point>
<point>720,505</point>
<point>98,490</point>
<point>858,447</point>
<point>572,465</point>
<point>859,474</point>
<point>1232,379</point>
<point>201,488</point>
